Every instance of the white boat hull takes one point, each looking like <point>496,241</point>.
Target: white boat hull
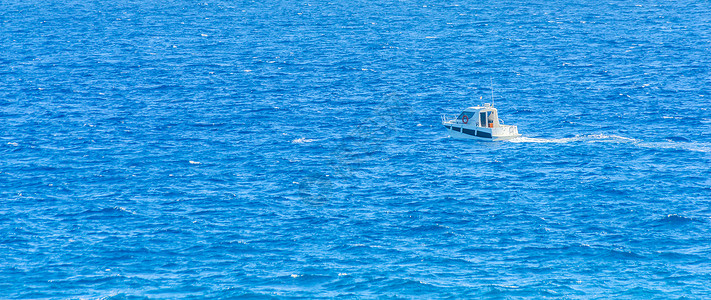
<point>500,133</point>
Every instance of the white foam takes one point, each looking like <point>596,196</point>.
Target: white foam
<point>524,139</point>
<point>603,138</point>
<point>592,138</point>
<point>302,140</point>
<point>124,210</point>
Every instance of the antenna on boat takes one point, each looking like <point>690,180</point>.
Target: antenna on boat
<point>492,92</point>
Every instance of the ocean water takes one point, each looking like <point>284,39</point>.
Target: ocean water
<point>293,149</point>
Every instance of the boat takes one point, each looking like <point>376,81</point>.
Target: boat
<point>480,123</point>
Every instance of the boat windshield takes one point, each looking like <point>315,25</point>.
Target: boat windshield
<point>469,115</point>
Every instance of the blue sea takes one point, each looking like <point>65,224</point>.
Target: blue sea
<point>294,150</point>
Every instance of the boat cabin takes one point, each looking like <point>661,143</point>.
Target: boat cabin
<point>482,116</point>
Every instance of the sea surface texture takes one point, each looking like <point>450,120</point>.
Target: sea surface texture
<point>293,149</point>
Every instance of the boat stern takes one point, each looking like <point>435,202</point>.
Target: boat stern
<point>505,132</point>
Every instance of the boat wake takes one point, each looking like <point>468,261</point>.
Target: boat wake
<point>688,146</point>
<point>580,138</point>
<point>602,138</point>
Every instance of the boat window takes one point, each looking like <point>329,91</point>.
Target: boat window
<point>469,115</point>
<point>482,119</point>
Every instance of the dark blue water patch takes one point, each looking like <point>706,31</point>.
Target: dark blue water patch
<point>123,296</point>
<point>677,139</point>
<point>674,221</point>
<point>683,257</point>
<point>98,214</point>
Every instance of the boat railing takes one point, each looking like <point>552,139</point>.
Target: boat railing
<point>448,118</point>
